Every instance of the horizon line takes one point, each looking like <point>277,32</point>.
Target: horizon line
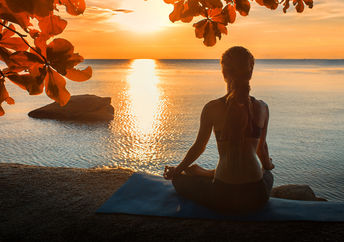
<point>212,59</point>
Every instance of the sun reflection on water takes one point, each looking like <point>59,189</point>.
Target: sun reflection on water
<point>141,115</point>
<point>144,95</point>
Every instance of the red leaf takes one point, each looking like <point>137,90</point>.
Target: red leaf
<point>222,28</point>
<point>40,8</point>
<point>24,60</point>
<point>209,35</point>
<point>55,87</point>
<point>32,82</point>
<point>79,75</point>
<point>52,25</point>
<point>212,3</point>
<point>216,15</point>
<point>61,57</point>
<point>170,1</point>
<point>272,4</point>
<point>6,33</point>
<point>230,13</point>
<point>4,96</point>
<point>22,19</point>
<point>242,6</point>
<point>177,11</point>
<point>200,28</point>
<point>309,3</point>
<point>73,7</point>
<point>14,44</point>
<point>299,5</point>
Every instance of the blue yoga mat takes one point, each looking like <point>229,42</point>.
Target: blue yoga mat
<point>145,194</point>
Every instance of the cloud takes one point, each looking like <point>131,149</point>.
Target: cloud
<point>97,17</point>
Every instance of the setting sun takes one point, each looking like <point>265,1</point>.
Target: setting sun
<point>147,16</point>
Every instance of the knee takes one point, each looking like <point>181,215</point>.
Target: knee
<point>177,181</point>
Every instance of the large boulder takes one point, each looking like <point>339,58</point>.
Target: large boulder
<point>82,108</point>
<point>295,192</point>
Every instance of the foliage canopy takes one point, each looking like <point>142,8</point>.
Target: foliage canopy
<point>217,14</point>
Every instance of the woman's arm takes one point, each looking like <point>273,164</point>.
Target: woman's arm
<point>262,148</point>
<point>196,170</point>
<point>199,146</point>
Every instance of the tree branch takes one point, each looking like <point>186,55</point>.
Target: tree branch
<point>22,36</point>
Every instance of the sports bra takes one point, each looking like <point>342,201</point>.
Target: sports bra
<point>255,132</point>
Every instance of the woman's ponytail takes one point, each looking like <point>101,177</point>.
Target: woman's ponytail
<point>237,66</point>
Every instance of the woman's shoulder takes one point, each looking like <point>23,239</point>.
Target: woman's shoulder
<point>261,108</point>
<point>260,103</point>
<point>215,103</point>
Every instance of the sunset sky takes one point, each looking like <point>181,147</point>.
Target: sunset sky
<point>147,32</point>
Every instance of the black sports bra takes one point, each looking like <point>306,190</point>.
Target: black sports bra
<point>255,132</point>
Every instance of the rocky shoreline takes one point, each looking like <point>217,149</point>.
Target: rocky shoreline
<point>59,204</point>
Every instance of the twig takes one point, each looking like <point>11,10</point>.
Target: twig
<point>22,36</point>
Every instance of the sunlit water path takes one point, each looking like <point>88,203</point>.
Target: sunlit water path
<point>157,106</point>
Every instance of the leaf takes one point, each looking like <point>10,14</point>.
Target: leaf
<point>193,8</point>
<point>40,8</point>
<point>5,55</point>
<point>22,19</point>
<point>52,25</point>
<point>209,35</point>
<point>32,82</point>
<point>24,60</point>
<point>299,5</point>
<point>212,3</point>
<point>272,4</point>
<point>216,15</point>
<point>14,43</point>
<point>200,28</point>
<point>55,87</point>
<point>309,3</point>
<point>61,57</point>
<point>229,12</point>
<point>286,5</point>
<point>243,7</point>
<point>4,96</point>
<point>222,29</point>
<point>176,14</point>
<point>73,7</point>
<point>79,75</point>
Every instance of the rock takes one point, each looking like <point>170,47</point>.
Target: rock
<point>295,192</point>
<point>80,108</point>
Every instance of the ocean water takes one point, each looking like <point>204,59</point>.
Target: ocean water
<point>157,107</point>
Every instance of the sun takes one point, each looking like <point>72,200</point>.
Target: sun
<point>147,16</point>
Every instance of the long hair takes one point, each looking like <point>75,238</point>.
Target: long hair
<point>237,66</point>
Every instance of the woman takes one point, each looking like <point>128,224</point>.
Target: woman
<point>239,184</point>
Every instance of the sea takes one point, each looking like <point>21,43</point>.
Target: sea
<point>157,107</point>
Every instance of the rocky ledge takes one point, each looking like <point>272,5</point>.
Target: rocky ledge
<point>59,204</point>
<point>82,108</point>
<point>295,192</point>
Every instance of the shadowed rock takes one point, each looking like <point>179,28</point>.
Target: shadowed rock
<point>87,108</point>
<point>295,192</point>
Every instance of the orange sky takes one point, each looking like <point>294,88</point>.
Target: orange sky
<point>147,32</point>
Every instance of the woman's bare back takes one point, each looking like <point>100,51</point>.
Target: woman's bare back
<point>247,169</point>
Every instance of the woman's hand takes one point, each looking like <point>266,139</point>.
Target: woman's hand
<point>196,170</point>
<point>193,170</point>
<point>169,172</point>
